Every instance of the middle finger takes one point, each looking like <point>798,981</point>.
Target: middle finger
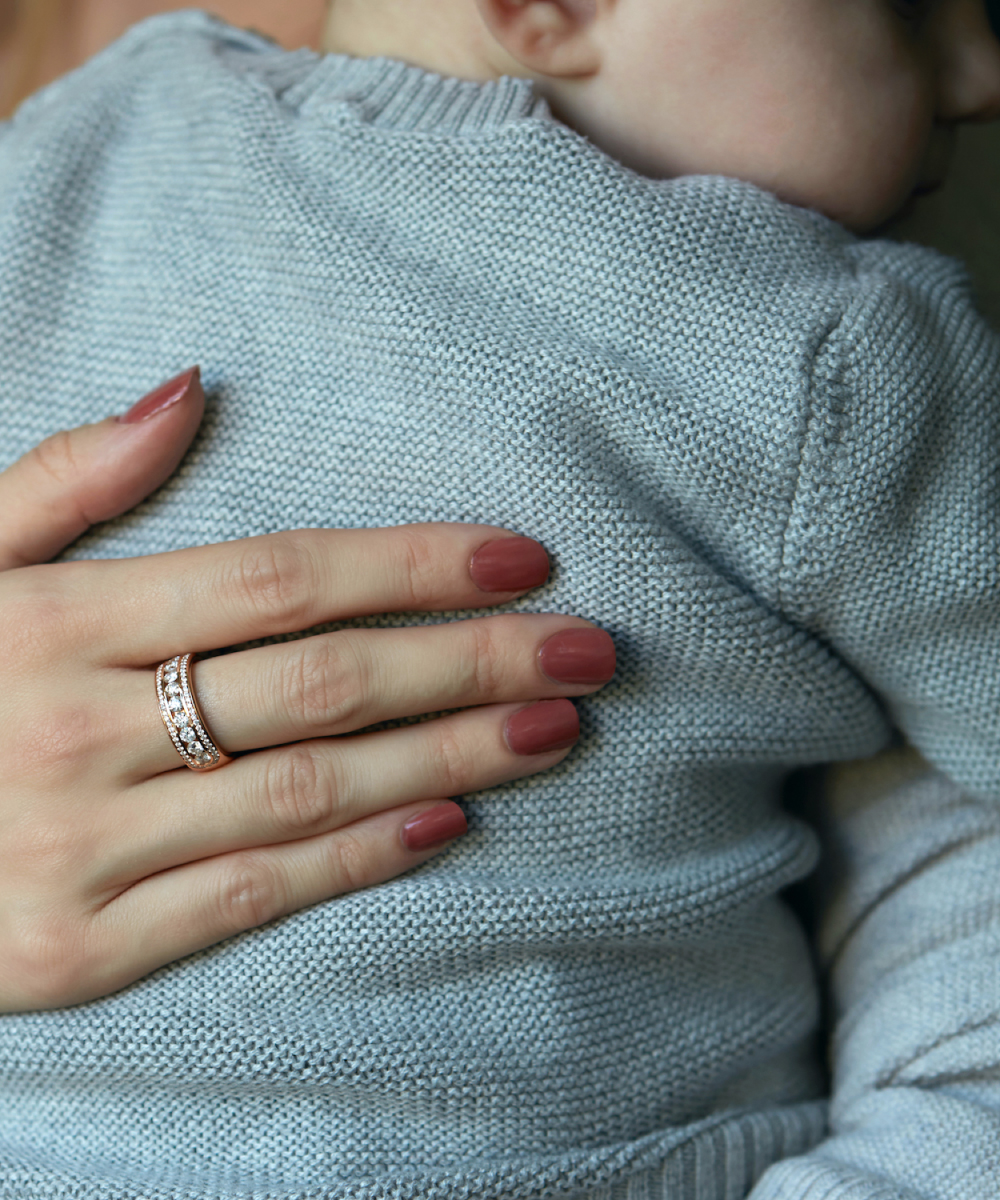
<point>341,682</point>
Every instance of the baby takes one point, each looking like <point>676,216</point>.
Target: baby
<point>577,268</point>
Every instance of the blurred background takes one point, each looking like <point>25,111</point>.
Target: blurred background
<point>42,39</point>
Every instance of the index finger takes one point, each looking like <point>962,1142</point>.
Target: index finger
<point>214,596</point>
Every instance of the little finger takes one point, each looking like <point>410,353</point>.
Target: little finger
<point>174,914</point>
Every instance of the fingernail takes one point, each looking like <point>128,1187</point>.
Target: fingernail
<point>434,825</point>
<point>161,399</point>
<point>578,656</point>
<point>548,725</point>
<point>509,565</point>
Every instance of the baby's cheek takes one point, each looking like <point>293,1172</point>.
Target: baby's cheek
<point>865,175</point>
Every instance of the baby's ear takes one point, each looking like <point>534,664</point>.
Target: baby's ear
<point>549,37</point>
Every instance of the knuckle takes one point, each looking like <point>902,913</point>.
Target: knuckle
<point>55,744</point>
<point>276,578</point>
<point>451,763</point>
<point>302,798</point>
<point>55,458</point>
<point>46,961</point>
<point>251,892</point>
<point>419,567</point>
<point>487,658</point>
<point>323,684</point>
<point>43,848</point>
<point>348,862</point>
<point>38,614</point>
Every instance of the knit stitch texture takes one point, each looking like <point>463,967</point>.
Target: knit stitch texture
<point>761,453</point>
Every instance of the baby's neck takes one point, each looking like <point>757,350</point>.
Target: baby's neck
<point>444,36</point>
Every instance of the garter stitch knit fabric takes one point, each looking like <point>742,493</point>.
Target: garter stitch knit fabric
<point>761,453</point>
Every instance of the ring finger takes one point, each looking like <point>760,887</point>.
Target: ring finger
<point>341,682</point>
<point>310,788</point>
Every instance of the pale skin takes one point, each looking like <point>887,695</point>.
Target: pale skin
<point>845,106</point>
<point>118,859</point>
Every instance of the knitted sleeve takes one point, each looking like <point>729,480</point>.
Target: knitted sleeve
<point>908,939</point>
<point>892,549</point>
<point>892,556</point>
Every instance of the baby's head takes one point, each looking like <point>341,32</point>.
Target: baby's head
<point>846,106</point>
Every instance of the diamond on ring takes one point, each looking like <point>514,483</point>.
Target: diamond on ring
<point>182,717</point>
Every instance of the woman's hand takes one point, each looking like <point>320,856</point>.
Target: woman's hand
<point>116,858</point>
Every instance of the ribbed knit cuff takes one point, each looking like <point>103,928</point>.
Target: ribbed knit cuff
<point>808,1179</point>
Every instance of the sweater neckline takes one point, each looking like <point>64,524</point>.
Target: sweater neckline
<point>385,92</point>
<point>395,95</point>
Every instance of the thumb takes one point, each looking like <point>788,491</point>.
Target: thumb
<point>74,479</point>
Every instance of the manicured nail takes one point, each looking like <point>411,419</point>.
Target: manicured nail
<point>509,565</point>
<point>578,656</point>
<point>548,725</point>
<point>161,399</point>
<point>433,826</point>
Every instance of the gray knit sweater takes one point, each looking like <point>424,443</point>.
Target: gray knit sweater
<point>762,454</point>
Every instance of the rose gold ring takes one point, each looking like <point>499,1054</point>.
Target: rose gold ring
<point>182,716</point>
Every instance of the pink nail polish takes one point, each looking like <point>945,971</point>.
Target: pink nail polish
<point>548,725</point>
<point>585,656</point>
<point>161,399</point>
<point>433,826</point>
<point>509,565</point>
